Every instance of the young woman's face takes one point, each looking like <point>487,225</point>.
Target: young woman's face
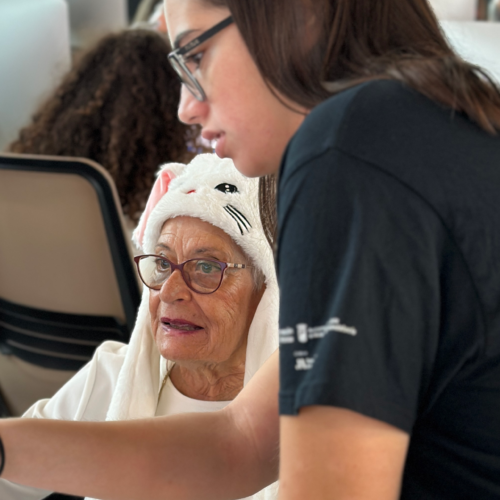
<point>251,126</point>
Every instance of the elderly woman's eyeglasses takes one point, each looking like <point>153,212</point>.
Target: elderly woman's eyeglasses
<point>200,275</point>
<point>184,66</point>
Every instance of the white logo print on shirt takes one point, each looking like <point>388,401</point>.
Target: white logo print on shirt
<point>306,333</point>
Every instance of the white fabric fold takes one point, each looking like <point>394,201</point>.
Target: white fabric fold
<point>193,192</point>
<point>122,382</point>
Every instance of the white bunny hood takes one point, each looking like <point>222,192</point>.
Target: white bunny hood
<point>212,190</point>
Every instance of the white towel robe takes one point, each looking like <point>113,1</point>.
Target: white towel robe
<point>86,397</point>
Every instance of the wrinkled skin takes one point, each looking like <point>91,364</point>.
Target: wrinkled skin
<point>210,361</point>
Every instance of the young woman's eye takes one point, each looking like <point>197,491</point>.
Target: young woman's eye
<point>193,61</point>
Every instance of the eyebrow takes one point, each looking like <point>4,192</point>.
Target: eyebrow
<point>181,35</point>
<point>162,246</point>
<point>198,251</point>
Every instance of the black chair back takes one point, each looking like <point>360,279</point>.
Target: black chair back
<point>67,280</point>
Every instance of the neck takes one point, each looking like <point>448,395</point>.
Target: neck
<point>209,382</point>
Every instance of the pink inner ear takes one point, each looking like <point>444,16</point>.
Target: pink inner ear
<point>160,187</point>
<point>192,191</point>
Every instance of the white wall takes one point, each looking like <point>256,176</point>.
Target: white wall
<point>477,42</point>
<point>34,54</point>
<point>458,10</point>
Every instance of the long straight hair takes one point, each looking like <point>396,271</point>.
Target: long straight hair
<point>309,50</point>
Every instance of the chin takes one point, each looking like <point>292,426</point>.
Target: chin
<point>252,168</point>
<point>175,351</point>
<point>172,354</point>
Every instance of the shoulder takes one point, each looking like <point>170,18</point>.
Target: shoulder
<point>87,394</point>
<point>108,357</point>
<point>389,127</point>
<point>369,113</point>
<point>112,348</point>
<point>105,366</point>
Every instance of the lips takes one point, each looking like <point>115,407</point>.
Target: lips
<point>210,136</point>
<point>216,139</point>
<point>179,324</point>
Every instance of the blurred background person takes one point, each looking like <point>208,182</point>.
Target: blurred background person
<point>118,107</point>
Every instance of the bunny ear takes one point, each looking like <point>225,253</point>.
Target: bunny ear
<point>160,187</point>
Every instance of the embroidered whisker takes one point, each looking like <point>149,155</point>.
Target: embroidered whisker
<point>240,216</point>
<point>235,219</point>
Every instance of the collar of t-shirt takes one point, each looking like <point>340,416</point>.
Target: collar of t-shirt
<point>173,402</point>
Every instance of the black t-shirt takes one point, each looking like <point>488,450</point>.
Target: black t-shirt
<point>389,271</point>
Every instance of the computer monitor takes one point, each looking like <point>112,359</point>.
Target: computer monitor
<point>91,19</point>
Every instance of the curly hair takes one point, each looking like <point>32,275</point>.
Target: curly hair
<point>118,107</point>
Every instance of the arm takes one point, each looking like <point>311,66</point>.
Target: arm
<point>337,454</point>
<point>225,454</point>
<point>76,400</point>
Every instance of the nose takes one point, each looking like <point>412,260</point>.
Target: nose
<point>191,111</point>
<point>175,289</point>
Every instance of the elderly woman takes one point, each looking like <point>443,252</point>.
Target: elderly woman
<point>209,312</point>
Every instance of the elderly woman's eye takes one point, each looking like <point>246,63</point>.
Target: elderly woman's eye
<point>208,267</point>
<point>162,265</point>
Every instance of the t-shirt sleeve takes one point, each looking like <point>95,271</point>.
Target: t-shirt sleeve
<point>358,267</point>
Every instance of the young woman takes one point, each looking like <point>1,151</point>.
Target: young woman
<point>388,237</point>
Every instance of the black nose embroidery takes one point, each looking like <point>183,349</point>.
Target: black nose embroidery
<point>226,188</point>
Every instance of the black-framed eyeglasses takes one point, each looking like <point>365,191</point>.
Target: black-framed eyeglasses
<point>200,275</point>
<point>181,64</point>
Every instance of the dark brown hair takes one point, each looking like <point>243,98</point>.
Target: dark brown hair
<point>268,186</point>
<point>298,45</point>
<point>118,107</point>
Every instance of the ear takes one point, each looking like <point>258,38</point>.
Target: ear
<point>165,175</point>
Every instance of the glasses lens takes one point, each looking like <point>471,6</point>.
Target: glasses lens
<point>187,78</point>
<point>154,271</point>
<point>204,276</point>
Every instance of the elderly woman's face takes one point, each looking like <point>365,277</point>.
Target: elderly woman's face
<point>193,328</point>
